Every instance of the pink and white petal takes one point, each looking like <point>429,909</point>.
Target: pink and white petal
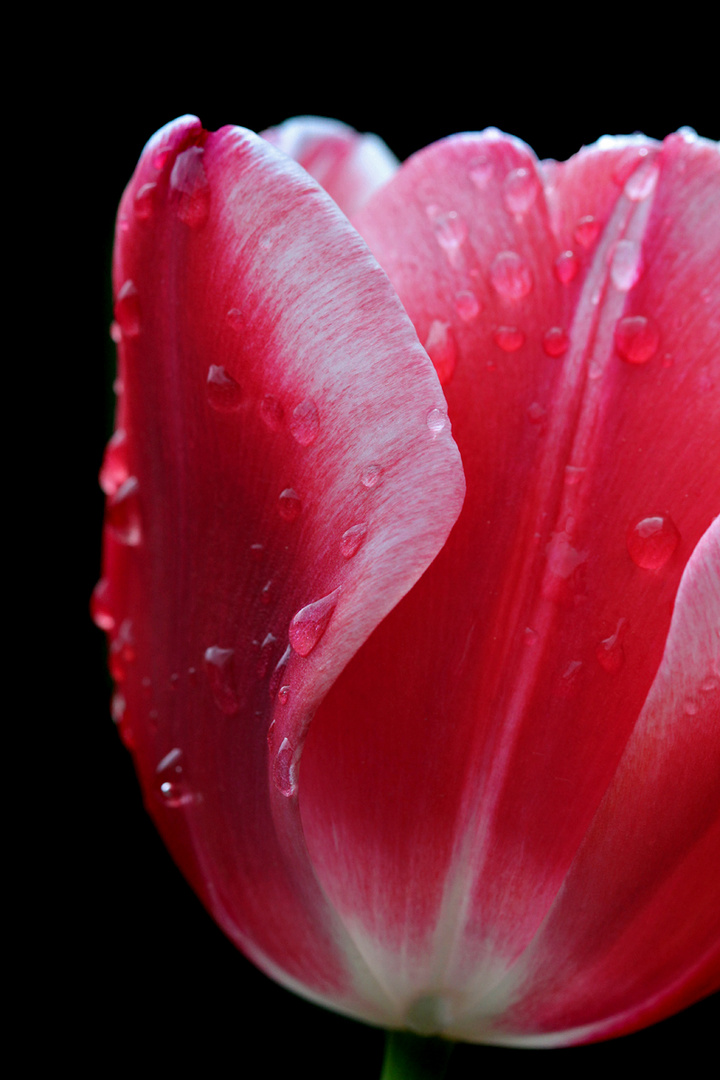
<point>276,405</point>
<point>350,166</point>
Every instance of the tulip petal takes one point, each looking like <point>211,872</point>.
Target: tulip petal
<point>277,489</point>
<point>351,167</point>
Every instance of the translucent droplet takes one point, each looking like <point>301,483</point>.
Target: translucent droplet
<point>160,158</point>
<point>100,612</point>
<point>710,684</point>
<point>223,392</point>
<point>305,422</point>
<point>566,267</point>
<point>510,275</point>
<point>284,770</point>
<point>441,347</point>
<point>520,190</point>
<point>289,504</point>
<point>691,707</point>
<point>555,342</point>
<point>219,669</point>
<point>271,412</point>
<point>626,266</point>
<point>481,173</point>
<point>636,339</point>
<point>536,412</point>
<point>586,231</point>
<point>122,651</point>
<point>450,232</point>
<point>266,651</point>
<point>352,540</point>
<point>145,201</point>
<point>509,338</point>
<point>467,305</point>
<point>127,310</point>
<point>530,636</point>
<point>257,551</point>
<point>652,541</point>
<point>266,593</point>
<point>609,651</point>
<point>115,332</point>
<point>235,318</point>
<point>170,782</point>
<point>114,469</point>
<point>123,513</point>
<point>574,474</point>
<point>278,675</point>
<point>283,695</point>
<point>311,622</point>
<point>436,421</point>
<point>370,476</point>
<point>189,180</point>
<point>642,181</point>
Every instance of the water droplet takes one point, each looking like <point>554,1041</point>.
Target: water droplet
<point>510,275</point>
<point>652,541</point>
<point>536,412</point>
<point>100,612</point>
<point>509,338</point>
<point>311,622</point>
<point>481,173</point>
<point>586,231</point>
<point>566,267</point>
<point>450,232</point>
<point>145,201</point>
<point>467,305</point>
<point>266,593</point>
<point>305,422</point>
<point>123,513</point>
<point>530,636</point>
<point>122,650</point>
<point>160,158</point>
<point>127,310</point>
<point>219,668</point>
<point>223,392</point>
<point>189,180</point>
<point>352,540</point>
<point>436,421</point>
<point>266,651</point>
<point>271,412</point>
<point>285,769</point>
<point>691,707</point>
<point>609,652</point>
<point>710,684</point>
<point>555,342</point>
<point>626,265</point>
<point>257,551</point>
<point>636,339</point>
<point>283,695</point>
<point>235,319</point>
<point>441,347</point>
<point>370,476</point>
<point>520,190</point>
<point>643,181</point>
<point>114,469</point>
<point>276,679</point>
<point>170,782</point>
<point>115,332</point>
<point>574,474</point>
<point>289,504</point>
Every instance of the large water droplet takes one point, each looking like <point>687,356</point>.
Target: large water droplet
<point>520,190</point>
<point>219,668</point>
<point>289,504</point>
<point>127,310</point>
<point>609,652</point>
<point>566,267</point>
<point>223,392</point>
<point>643,181</point>
<point>510,275</point>
<point>436,420</point>
<point>145,201</point>
<point>441,347</point>
<point>189,180</point>
<point>170,781</point>
<point>284,770</point>
<point>636,339</point>
<point>626,266</point>
<point>352,540</point>
<point>555,342</point>
<point>586,231</point>
<point>652,541</point>
<point>311,622</point>
<point>100,612</point>
<point>271,412</point>
<point>509,338</point>
<point>371,475</point>
<point>305,422</point>
<point>114,469</point>
<point>123,513</point>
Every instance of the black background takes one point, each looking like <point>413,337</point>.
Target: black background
<point>139,970</point>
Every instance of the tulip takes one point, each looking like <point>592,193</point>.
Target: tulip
<point>412,566</point>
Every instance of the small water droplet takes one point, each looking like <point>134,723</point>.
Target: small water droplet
<point>436,420</point>
<point>481,173</point>
<point>285,769</point>
<point>574,474</point>
<point>289,504</point>
<point>626,265</point>
<point>114,469</point>
<point>305,422</point>
<point>530,636</point>
<point>536,413</point>
<point>100,612</point>
<point>170,782</point>
<point>271,412</point>
<point>123,513</point>
<point>450,232</point>
<point>520,190</point>
<point>266,651</point>
<point>566,267</point>
<point>609,652</point>
<point>636,339</point>
<point>283,694</point>
<point>223,392</point>
<point>691,707</point>
<point>145,201</point>
<point>510,275</point>
<point>652,541</point>
<point>160,158</point>
<point>311,622</point>
<point>509,338</point>
<point>642,181</point>
<point>710,684</point>
<point>266,593</point>
<point>276,679</point>
<point>189,180</point>
<point>257,552</point>
<point>127,310</point>
<point>122,651</point>
<point>371,475</point>
<point>441,347</point>
<point>586,231</point>
<point>467,306</point>
<point>352,540</point>
<point>555,342</point>
<point>219,668</point>
<point>235,319</point>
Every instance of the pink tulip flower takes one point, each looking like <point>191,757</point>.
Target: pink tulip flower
<point>412,566</point>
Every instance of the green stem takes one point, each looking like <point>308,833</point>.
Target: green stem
<point>413,1057</point>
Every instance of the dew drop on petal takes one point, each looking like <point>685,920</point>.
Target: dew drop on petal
<point>436,420</point>
<point>160,158</point>
<point>566,267</point>
<point>283,695</point>
<point>508,338</point>
<point>220,672</point>
<point>626,265</point>
<point>352,540</point>
<point>235,319</point>
<point>127,310</point>
<point>586,231</point>
<point>609,652</point>
<point>520,190</point>
<point>510,275</point>
<point>450,232</point>
<point>289,504</point>
<point>223,392</point>
<point>145,201</point>
<point>467,306</point>
<point>284,769</point>
<point>481,173</point>
<point>123,513</point>
<point>636,339</point>
<point>266,593</point>
<point>371,475</point>
<point>555,342</point>
<point>271,412</point>
<point>311,622</point>
<point>536,413</point>
<point>114,469</point>
<point>122,651</point>
<point>266,650</point>
<point>441,347</point>
<point>278,675</point>
<point>189,180</point>
<point>652,541</point>
<point>170,782</point>
<point>305,422</point>
<point>100,612</point>
<point>642,181</point>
